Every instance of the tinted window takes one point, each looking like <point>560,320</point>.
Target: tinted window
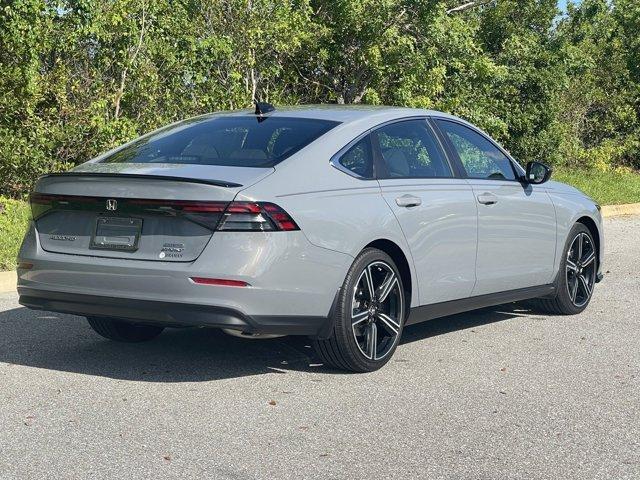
<point>225,140</point>
<point>480,157</point>
<point>410,150</point>
<point>358,158</point>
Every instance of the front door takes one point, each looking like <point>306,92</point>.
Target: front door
<point>516,221</point>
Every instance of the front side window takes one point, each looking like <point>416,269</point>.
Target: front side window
<point>358,159</point>
<point>480,158</point>
<point>409,150</point>
<point>236,141</point>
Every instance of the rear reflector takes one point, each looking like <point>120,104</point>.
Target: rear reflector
<point>221,282</point>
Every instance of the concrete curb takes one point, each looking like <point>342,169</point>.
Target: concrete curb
<point>8,282</point>
<point>619,210</point>
<point>8,279</point>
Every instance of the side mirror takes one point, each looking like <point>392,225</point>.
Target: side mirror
<point>537,173</point>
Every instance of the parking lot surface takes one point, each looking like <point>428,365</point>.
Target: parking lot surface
<point>504,393</point>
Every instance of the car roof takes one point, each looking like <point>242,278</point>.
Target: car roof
<point>344,113</point>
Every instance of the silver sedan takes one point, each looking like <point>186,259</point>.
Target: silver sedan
<point>345,224</point>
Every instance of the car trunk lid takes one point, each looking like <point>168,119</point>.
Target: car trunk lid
<point>139,212</point>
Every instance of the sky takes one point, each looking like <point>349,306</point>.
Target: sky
<point>563,4</point>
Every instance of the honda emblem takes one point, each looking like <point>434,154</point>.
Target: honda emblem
<point>112,205</point>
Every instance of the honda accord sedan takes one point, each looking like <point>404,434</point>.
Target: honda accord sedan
<point>343,224</point>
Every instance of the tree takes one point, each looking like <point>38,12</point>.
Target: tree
<point>78,77</point>
<point>599,104</point>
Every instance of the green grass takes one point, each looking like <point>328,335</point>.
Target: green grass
<point>606,188</point>
<point>14,216</point>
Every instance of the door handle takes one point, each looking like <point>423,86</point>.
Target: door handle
<point>487,198</point>
<point>408,201</point>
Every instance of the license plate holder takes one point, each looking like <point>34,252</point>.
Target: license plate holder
<point>117,233</point>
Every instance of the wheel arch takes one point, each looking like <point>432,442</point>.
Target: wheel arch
<point>402,262</point>
<point>595,233</point>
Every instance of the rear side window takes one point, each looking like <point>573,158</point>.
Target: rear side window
<point>409,150</point>
<point>225,140</point>
<point>358,159</point>
<point>480,158</point>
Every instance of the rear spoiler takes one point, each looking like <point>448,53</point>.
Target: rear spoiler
<point>217,183</point>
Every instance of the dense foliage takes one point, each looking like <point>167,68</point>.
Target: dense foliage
<point>14,216</point>
<point>80,76</point>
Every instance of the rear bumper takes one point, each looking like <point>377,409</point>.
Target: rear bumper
<point>171,313</point>
<point>288,278</point>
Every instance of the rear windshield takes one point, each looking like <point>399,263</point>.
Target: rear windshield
<point>225,140</point>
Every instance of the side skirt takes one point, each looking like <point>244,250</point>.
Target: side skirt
<point>443,309</point>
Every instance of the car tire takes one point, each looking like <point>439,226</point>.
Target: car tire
<point>366,331</point>
<point>577,274</point>
<point>122,331</point>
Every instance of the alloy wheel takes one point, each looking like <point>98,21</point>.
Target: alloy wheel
<point>581,269</point>
<point>376,310</point>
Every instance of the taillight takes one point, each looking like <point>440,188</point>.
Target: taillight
<point>185,206</point>
<point>207,214</point>
<point>215,215</point>
<point>256,216</point>
<point>40,204</point>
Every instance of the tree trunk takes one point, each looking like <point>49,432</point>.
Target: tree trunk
<point>130,62</point>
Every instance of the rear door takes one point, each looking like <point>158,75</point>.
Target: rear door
<point>437,212</point>
<point>516,222</point>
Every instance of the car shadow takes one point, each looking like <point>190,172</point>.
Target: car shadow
<point>66,343</point>
<point>463,321</point>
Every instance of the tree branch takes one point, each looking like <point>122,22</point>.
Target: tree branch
<point>125,71</point>
<point>466,6</point>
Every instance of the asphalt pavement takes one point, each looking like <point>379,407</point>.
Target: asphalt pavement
<point>504,393</point>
